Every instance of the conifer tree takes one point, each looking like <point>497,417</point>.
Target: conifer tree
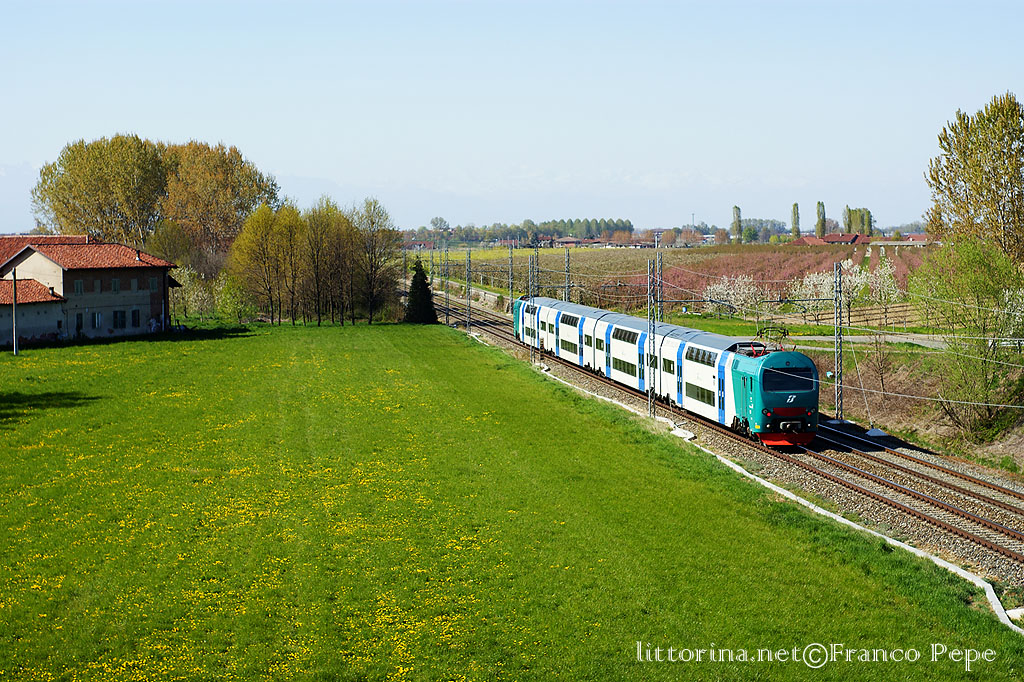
<point>420,307</point>
<point>796,221</point>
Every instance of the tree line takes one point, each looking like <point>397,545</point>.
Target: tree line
<point>526,232</point>
<point>241,250</point>
<point>323,263</point>
<point>129,190</point>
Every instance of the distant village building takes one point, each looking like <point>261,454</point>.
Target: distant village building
<point>831,239</point>
<point>73,287</point>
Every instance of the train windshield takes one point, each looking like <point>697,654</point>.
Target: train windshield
<point>788,379</point>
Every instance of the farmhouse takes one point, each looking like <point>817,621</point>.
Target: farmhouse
<point>77,287</point>
<point>811,240</point>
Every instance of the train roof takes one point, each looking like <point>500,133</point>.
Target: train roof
<point>673,331</point>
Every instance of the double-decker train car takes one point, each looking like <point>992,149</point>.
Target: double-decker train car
<point>769,395</point>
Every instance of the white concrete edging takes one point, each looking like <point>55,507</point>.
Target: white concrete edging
<point>990,593</point>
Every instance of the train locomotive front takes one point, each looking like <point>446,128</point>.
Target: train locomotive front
<point>776,397</point>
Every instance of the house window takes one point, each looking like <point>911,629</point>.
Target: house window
<point>152,284</point>
<point>79,287</point>
<point>97,319</point>
<point>136,318</point>
<point>135,284</point>
<point>97,285</point>
<point>119,318</point>
<point>115,285</point>
<point>79,324</point>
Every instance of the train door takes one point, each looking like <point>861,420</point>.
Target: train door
<point>558,320</point>
<point>608,350</point>
<point>679,374</point>
<point>579,348</point>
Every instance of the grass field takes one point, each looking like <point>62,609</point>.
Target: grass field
<point>402,503</point>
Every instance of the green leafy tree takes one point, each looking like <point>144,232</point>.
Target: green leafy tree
<point>796,220</point>
<point>420,307</point>
<point>108,188</point>
<point>256,259</point>
<point>847,219</point>
<point>967,289</point>
<point>819,224</point>
<point>977,181</point>
<point>377,256</point>
<point>211,191</point>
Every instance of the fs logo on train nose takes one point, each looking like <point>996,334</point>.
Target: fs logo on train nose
<point>790,398</point>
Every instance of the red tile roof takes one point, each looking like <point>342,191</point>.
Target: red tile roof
<point>29,291</point>
<point>808,240</point>
<point>93,256</point>
<point>11,244</point>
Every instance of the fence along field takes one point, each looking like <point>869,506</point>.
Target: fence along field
<point>362,503</point>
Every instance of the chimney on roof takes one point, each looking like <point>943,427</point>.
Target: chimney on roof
<point>51,291</point>
<point>137,255</point>
<point>86,237</point>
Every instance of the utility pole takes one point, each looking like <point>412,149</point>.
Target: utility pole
<point>469,291</point>
<point>14,309</point>
<point>661,291</point>
<point>510,276</point>
<point>649,351</point>
<point>531,317</point>
<point>447,303</point>
<point>568,284</point>
<point>837,270</point>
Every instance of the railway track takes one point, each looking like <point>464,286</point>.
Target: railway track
<point>986,514</point>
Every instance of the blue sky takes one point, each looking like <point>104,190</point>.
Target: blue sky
<point>500,111</point>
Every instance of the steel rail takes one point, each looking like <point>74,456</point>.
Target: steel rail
<point>839,480</point>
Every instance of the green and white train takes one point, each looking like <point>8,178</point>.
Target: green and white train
<point>769,395</point>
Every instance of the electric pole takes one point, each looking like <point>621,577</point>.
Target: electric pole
<point>647,353</point>
<point>838,293</point>
<point>565,295</point>
<point>469,289</point>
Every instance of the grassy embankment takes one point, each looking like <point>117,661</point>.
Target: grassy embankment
<point>402,503</point>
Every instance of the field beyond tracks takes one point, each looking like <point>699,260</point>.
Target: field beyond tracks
<point>401,503</point>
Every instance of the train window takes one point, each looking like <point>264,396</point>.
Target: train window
<point>625,335</point>
<point>587,341</point>
<point>652,360</point>
<point>570,346</point>
<point>704,395</point>
<point>623,366</point>
<point>788,380</point>
<point>599,343</point>
<point>543,326</point>
<point>570,320</point>
<point>668,366</point>
<point>531,309</point>
<point>701,356</point>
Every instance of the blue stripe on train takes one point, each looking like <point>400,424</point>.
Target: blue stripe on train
<point>608,351</point>
<point>641,350</point>
<point>582,320</point>
<point>720,389</point>
<point>679,373</point>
